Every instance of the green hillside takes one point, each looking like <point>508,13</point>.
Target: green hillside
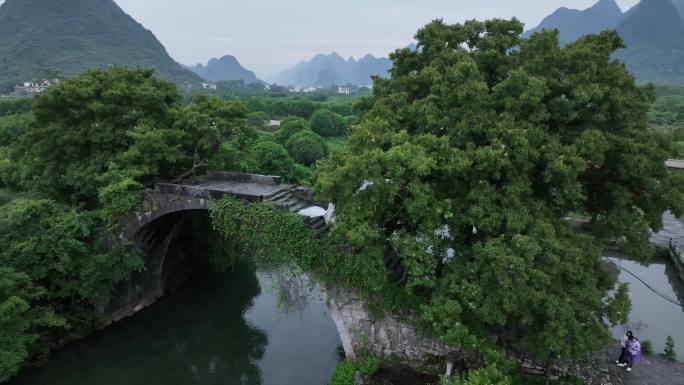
<point>70,36</point>
<point>654,35</point>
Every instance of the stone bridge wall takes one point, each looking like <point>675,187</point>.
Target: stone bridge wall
<point>677,257</point>
<point>394,337</point>
<point>672,237</point>
<point>389,336</point>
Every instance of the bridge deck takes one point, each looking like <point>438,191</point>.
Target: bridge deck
<point>243,189</point>
<point>216,189</point>
<point>253,188</point>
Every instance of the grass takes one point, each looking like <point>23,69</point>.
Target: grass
<point>336,142</point>
<point>538,380</point>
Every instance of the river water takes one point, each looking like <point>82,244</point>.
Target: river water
<point>246,327</point>
<point>653,317</point>
<point>270,326</point>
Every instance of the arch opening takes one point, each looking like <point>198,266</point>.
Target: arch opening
<point>175,247</point>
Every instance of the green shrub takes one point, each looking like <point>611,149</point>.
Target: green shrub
<point>486,376</point>
<point>647,347</point>
<point>306,147</point>
<point>273,159</point>
<point>344,373</point>
<point>323,123</point>
<point>670,353</point>
<point>370,365</point>
<point>289,127</point>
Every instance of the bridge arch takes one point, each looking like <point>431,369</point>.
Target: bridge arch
<point>170,212</point>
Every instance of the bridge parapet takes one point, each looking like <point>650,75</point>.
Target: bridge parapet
<point>231,176</point>
<point>672,238</point>
<point>168,198</point>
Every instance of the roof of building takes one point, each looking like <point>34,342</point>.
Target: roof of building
<point>675,163</point>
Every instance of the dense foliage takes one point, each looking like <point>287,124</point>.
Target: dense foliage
<point>344,373</point>
<point>322,123</point>
<point>307,147</point>
<point>289,127</point>
<point>81,157</point>
<point>273,159</point>
<point>265,231</point>
<point>465,164</point>
<point>54,271</point>
<point>108,132</point>
<point>487,376</point>
<point>12,106</point>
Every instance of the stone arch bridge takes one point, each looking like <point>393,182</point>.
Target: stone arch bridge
<point>172,211</point>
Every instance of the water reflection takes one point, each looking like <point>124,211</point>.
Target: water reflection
<point>221,329</point>
<point>653,317</point>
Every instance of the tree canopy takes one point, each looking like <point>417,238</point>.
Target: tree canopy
<point>456,181</point>
<point>289,127</point>
<point>118,127</point>
<point>273,159</point>
<point>307,147</point>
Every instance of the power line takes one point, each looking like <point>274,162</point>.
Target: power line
<point>655,291</point>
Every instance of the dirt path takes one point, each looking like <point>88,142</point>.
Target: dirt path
<point>653,371</point>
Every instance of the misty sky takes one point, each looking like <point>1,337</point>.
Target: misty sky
<point>268,36</point>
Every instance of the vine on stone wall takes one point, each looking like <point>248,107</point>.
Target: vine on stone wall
<point>265,231</point>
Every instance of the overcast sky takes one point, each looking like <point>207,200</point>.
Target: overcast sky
<point>268,36</point>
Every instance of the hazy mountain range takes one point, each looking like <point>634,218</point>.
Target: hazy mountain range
<point>326,70</point>
<point>225,68</point>
<point>70,36</point>
<point>653,31</point>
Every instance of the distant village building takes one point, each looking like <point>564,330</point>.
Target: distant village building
<point>209,86</point>
<point>306,90</point>
<point>344,90</point>
<point>30,89</point>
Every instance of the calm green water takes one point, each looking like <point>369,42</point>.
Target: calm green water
<point>653,317</point>
<point>243,327</point>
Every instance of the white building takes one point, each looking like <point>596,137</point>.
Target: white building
<point>30,89</point>
<point>209,86</point>
<point>306,90</point>
<point>344,90</point>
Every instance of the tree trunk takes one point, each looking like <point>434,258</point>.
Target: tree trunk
<point>549,368</point>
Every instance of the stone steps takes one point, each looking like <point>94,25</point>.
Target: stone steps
<point>318,225</point>
<point>288,201</point>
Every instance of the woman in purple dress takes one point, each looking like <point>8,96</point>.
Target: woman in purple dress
<point>633,352</point>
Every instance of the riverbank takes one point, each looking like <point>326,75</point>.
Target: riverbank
<point>652,370</point>
<point>595,369</point>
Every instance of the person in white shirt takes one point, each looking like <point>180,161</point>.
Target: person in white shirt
<point>623,345</point>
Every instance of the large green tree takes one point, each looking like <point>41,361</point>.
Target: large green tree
<point>289,127</point>
<point>456,181</point>
<point>307,147</point>
<point>273,159</point>
<point>323,123</point>
<point>116,129</point>
<point>83,124</point>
